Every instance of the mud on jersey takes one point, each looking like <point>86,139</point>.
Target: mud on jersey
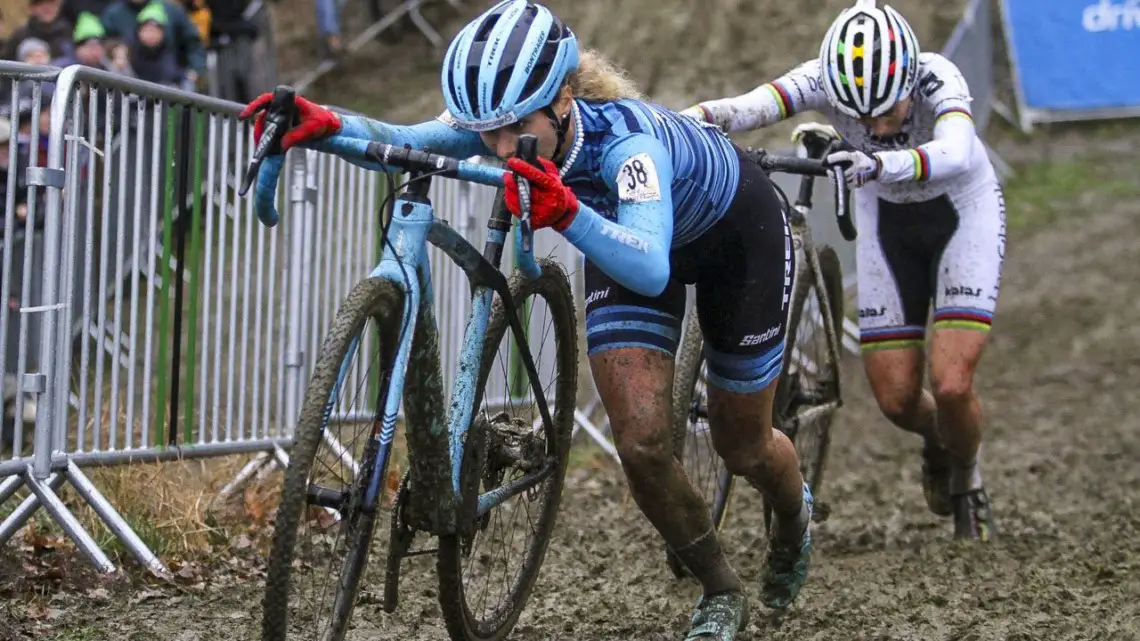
<point>937,152</point>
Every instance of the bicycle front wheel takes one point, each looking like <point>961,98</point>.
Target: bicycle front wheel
<point>338,526</point>
<point>481,594</point>
<point>692,440</point>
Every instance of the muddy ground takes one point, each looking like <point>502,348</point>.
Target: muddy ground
<point>1061,465</point>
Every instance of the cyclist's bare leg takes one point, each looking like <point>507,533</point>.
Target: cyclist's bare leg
<point>741,427</point>
<point>896,377</point>
<point>954,356</point>
<point>635,386</point>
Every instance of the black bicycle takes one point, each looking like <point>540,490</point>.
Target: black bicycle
<point>808,393</point>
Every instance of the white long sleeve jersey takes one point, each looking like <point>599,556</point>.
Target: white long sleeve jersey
<point>936,153</point>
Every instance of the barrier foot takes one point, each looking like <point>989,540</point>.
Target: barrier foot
<point>71,525</point>
<point>115,522</point>
<point>243,477</point>
<point>422,24</point>
<point>9,487</point>
<point>280,460</point>
<point>584,422</point>
<point>280,456</point>
<point>19,518</point>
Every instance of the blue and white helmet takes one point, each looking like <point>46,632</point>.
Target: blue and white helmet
<point>506,64</point>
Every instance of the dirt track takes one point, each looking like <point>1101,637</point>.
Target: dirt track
<point>1059,385</point>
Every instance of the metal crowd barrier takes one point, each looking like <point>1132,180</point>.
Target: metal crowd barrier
<point>21,266</point>
<point>171,323</point>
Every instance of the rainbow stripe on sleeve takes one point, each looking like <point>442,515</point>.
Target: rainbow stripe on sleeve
<point>954,112</point>
<point>921,164</point>
<point>783,99</point>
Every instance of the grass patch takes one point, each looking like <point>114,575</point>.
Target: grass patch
<point>169,506</point>
<point>1041,193</point>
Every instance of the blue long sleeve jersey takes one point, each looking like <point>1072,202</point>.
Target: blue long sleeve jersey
<point>647,180</point>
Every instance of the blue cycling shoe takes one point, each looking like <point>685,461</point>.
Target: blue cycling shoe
<point>719,617</point>
<point>787,565</point>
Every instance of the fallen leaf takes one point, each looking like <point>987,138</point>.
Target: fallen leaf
<point>147,595</point>
<point>391,486</point>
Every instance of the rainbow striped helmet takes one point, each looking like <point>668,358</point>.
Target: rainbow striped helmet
<point>869,60</point>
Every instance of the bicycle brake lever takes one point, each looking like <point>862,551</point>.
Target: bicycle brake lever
<point>842,197</point>
<point>528,151</point>
<point>278,118</point>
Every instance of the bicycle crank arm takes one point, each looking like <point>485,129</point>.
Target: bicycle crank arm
<point>400,537</point>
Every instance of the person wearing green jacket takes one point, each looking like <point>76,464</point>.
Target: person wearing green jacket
<point>120,19</point>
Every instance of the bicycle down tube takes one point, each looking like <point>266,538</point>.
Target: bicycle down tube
<point>404,263</point>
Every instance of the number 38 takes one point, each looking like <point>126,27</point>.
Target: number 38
<point>635,173</point>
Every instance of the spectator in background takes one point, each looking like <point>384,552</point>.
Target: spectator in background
<point>328,26</point>
<point>9,162</point>
<point>119,58</point>
<point>232,36</point>
<point>121,20</point>
<point>46,23</point>
<point>72,9</point>
<point>90,46</point>
<point>153,57</point>
<point>33,51</point>
<point>26,113</point>
<point>202,16</point>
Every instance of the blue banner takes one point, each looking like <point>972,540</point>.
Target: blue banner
<point>1076,55</point>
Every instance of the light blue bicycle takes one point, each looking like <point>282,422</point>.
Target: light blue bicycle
<point>465,464</point>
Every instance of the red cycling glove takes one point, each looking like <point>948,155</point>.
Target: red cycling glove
<point>552,204</point>
<point>312,121</point>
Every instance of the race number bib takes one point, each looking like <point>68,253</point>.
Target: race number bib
<point>637,180</point>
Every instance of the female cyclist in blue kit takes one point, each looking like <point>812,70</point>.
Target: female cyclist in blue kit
<point>655,201</point>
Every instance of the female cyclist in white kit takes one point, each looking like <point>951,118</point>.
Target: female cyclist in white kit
<point>931,220</point>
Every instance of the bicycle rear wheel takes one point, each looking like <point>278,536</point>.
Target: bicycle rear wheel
<point>692,441</point>
<point>329,511</point>
<point>509,430</point>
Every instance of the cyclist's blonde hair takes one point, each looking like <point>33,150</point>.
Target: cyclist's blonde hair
<point>600,80</point>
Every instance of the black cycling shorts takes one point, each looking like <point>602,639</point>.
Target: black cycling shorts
<point>742,268</point>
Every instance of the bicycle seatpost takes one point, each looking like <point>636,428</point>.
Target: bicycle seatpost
<point>278,119</point>
<point>527,150</point>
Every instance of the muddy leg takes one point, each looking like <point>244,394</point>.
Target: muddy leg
<point>636,385</point>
